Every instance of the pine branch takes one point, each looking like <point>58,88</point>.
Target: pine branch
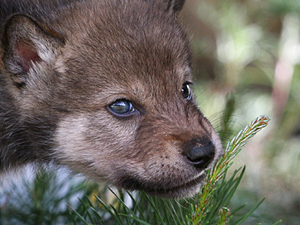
<point>220,169</point>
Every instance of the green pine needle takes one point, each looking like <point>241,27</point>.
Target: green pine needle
<point>220,169</point>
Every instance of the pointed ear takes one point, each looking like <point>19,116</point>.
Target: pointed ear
<point>174,6</point>
<point>25,43</point>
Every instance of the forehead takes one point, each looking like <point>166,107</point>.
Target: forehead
<point>139,49</point>
<point>146,48</point>
<point>140,69</point>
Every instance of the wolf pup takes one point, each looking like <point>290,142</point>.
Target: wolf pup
<point>103,87</point>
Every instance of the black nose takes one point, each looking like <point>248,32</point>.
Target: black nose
<point>201,154</point>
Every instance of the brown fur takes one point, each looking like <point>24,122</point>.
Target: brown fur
<point>66,62</point>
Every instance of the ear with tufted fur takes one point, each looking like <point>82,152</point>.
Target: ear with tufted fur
<point>176,5</point>
<point>26,43</point>
<point>170,6</point>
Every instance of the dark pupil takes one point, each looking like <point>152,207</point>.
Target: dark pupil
<point>186,91</point>
<point>121,106</point>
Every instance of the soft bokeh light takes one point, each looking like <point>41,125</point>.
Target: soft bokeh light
<point>252,49</point>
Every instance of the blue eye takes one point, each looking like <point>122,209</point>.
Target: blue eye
<point>186,91</point>
<point>121,107</point>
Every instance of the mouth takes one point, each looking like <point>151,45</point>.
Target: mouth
<point>159,189</point>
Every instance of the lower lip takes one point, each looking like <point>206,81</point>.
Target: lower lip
<point>169,192</point>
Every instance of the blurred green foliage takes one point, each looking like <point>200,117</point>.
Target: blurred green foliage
<point>251,49</point>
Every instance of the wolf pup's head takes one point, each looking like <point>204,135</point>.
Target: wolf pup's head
<point>110,81</point>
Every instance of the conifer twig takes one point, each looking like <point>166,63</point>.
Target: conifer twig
<point>219,171</point>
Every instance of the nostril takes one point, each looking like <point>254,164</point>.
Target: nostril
<point>201,155</point>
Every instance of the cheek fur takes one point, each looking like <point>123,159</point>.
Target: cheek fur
<point>93,144</point>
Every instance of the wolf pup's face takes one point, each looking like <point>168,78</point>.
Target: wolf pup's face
<point>113,80</point>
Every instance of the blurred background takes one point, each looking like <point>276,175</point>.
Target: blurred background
<point>249,51</point>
